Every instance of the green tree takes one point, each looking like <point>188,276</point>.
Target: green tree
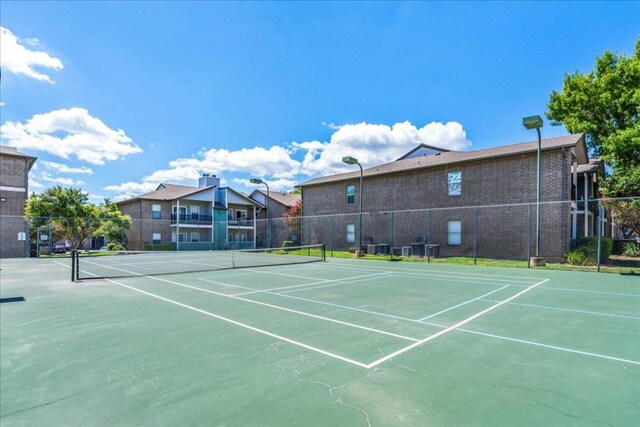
<point>67,209</point>
<point>113,226</point>
<point>605,104</point>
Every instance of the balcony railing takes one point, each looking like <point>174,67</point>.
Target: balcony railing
<point>192,219</point>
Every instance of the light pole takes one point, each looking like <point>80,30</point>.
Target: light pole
<point>353,161</point>
<point>259,181</point>
<point>535,122</point>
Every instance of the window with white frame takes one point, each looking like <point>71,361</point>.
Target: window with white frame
<point>156,211</point>
<point>195,237</point>
<point>156,238</point>
<point>351,194</point>
<point>351,233</point>
<point>182,237</point>
<point>194,212</point>
<point>454,183</point>
<point>454,232</point>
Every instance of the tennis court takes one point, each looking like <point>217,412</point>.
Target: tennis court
<point>344,342</point>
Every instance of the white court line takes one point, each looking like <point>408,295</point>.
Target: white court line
<point>375,313</point>
<point>338,283</point>
<point>572,310</point>
<point>332,281</point>
<point>451,277</point>
<point>553,347</point>
<point>446,272</point>
<point>463,303</point>
<point>451,328</point>
<point>315,316</point>
<point>243,325</point>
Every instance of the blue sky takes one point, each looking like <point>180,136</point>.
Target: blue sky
<point>115,97</point>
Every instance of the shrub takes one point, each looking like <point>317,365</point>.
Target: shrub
<point>579,256</point>
<point>158,247</point>
<point>114,246</point>
<point>631,249</point>
<point>590,247</point>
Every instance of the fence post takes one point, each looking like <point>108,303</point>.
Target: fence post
<point>332,244</point>
<point>475,236</point>
<point>51,245</point>
<point>528,236</point>
<point>599,228</point>
<point>429,236</point>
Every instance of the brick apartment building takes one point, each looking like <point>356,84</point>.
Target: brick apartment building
<point>178,217</point>
<point>14,191</point>
<point>278,204</point>
<point>444,197</point>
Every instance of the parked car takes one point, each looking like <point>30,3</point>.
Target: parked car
<point>59,248</point>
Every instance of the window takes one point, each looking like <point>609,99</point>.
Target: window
<point>181,236</point>
<point>351,194</point>
<point>351,233</point>
<point>455,183</point>
<point>454,232</point>
<point>195,211</point>
<point>195,237</point>
<point>156,212</point>
<point>156,238</point>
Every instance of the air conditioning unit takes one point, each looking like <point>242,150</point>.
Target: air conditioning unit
<point>406,251</point>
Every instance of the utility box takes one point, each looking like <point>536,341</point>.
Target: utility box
<point>406,251</point>
<point>371,249</point>
<point>384,249</point>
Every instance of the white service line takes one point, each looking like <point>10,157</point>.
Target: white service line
<point>243,325</point>
<point>463,303</point>
<point>451,328</point>
<point>332,282</point>
<point>315,316</point>
<point>339,282</point>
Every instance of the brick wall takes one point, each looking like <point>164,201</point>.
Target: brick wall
<point>13,173</point>
<point>499,232</point>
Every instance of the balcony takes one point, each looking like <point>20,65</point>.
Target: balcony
<point>193,219</point>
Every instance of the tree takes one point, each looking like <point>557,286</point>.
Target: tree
<point>113,225</point>
<point>67,212</point>
<point>292,218</point>
<point>605,104</point>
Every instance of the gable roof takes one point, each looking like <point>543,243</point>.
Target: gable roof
<point>285,199</point>
<point>423,150</point>
<point>453,157</point>
<point>168,192</point>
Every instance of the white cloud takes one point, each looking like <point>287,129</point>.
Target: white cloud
<point>72,132</point>
<point>33,184</point>
<point>61,168</point>
<point>131,189</point>
<point>275,161</point>
<point>59,180</point>
<point>2,104</point>
<point>274,185</point>
<point>374,144</point>
<point>178,174</point>
<point>16,58</point>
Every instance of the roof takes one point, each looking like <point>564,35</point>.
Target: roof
<point>5,150</point>
<point>453,157</point>
<point>423,150</point>
<point>591,167</point>
<point>285,199</point>
<point>168,192</point>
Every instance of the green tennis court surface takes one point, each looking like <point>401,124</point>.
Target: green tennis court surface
<point>342,342</point>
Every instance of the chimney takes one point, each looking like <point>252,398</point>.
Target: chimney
<point>206,180</point>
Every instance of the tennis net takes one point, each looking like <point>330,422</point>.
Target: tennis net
<point>131,263</point>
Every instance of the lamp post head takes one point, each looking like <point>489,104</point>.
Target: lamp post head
<point>350,160</point>
<point>532,122</point>
<point>256,181</point>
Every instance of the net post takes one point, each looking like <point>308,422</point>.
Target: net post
<point>599,231</point>
<point>73,266</point>
<point>324,252</point>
